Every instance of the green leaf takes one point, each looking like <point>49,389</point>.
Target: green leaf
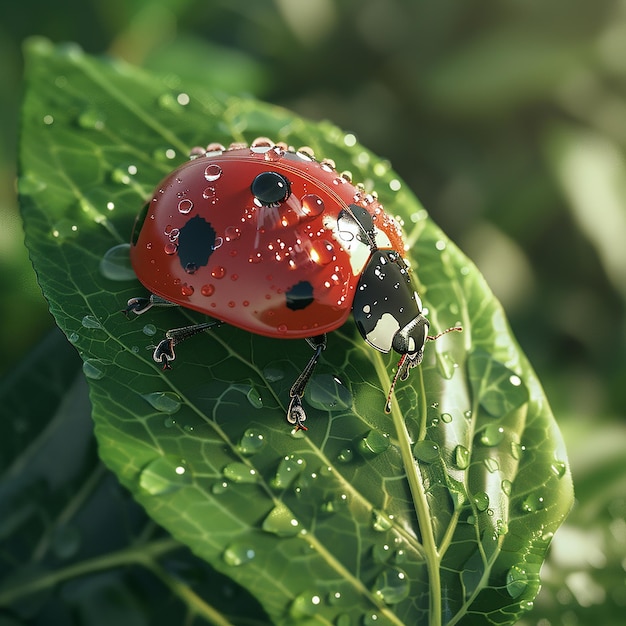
<point>441,510</point>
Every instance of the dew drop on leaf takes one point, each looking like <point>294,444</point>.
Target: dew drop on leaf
<point>281,521</point>
<point>64,229</point>
<point>491,464</point>
<point>381,552</point>
<point>345,455</point>
<point>426,451</point>
<point>558,468</point>
<point>327,393</point>
<point>115,264</point>
<point>273,374</point>
<point>90,321</point>
<point>163,401</point>
<point>481,501</point>
<point>533,502</point>
<point>288,469</point>
<point>238,553</point>
<point>492,435</point>
<point>149,330</point>
<point>251,442</point>
<point>381,521</point>
<point>220,487</point>
<point>461,457</point>
<point>91,119</point>
<point>373,444</point>
<point>240,473</point>
<point>392,586</point>
<point>305,605</point>
<point>94,369</point>
<point>516,581</point>
<point>506,487</point>
<point>164,474</point>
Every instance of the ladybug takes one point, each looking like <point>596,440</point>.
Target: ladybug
<point>268,239</point>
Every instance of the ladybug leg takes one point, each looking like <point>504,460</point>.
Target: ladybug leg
<point>141,305</point>
<point>296,413</point>
<point>164,352</point>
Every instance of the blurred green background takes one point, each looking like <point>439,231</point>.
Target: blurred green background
<point>507,119</point>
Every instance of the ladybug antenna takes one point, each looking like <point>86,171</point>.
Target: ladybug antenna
<point>444,332</point>
<point>409,360</point>
<point>401,374</point>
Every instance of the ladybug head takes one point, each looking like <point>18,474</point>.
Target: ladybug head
<point>410,340</point>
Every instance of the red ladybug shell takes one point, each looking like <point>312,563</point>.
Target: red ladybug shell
<point>281,270</point>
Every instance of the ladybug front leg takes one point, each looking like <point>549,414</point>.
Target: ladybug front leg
<point>296,413</point>
<point>164,352</point>
<point>141,305</point>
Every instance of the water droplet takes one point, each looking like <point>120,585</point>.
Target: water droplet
<point>94,369</point>
<point>254,398</point>
<point>212,172</point>
<point>516,450</point>
<point>218,272</point>
<point>163,401</point>
<point>507,486</point>
<point>461,457</point>
<point>305,605</point>
<point>516,581</point>
<point>281,521</point>
<point>115,264</point>
<point>558,468</point>
<point>345,455</point>
<point>370,619</point>
<point>91,119</point>
<point>288,469</point>
<point>64,229</point>
<point>251,442</point>
<point>164,475</point>
<point>426,451</point>
<point>381,553</point>
<point>481,501</point>
<point>186,290</point>
<point>238,553</point>
<point>381,521</point>
<point>373,444</point>
<point>273,374</point>
<point>170,248</point>
<point>533,502</point>
<point>327,392</point>
<point>446,418</point>
<point>207,290</point>
<point>392,586</point>
<point>492,435</point>
<point>149,330</point>
<point>73,337</point>
<point>219,487</point>
<point>240,473</point>
<point>185,206</point>
<point>491,464</point>
<point>90,321</point>
<point>312,205</point>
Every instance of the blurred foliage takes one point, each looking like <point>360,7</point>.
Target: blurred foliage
<point>506,118</point>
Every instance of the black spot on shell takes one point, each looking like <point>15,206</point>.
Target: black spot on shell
<point>300,296</point>
<point>195,243</point>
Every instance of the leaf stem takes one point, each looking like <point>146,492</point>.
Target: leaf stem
<point>420,502</point>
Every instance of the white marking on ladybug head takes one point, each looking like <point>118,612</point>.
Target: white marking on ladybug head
<point>381,239</point>
<point>381,337</point>
<point>345,234</point>
<point>418,300</point>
